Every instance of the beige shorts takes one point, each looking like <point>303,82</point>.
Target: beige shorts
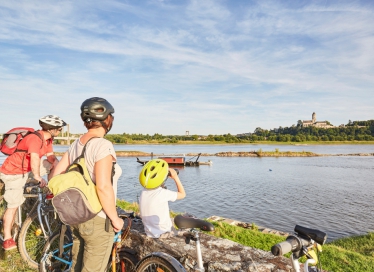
<point>14,185</point>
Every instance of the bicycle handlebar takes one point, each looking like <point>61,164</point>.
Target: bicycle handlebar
<point>294,243</point>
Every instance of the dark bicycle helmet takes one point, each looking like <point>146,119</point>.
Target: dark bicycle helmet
<point>96,108</point>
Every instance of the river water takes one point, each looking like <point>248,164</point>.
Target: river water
<point>332,193</point>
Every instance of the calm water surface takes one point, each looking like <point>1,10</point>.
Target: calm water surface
<point>333,194</point>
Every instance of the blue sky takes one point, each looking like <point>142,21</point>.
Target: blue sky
<point>209,67</point>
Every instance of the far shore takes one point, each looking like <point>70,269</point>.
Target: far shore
<point>235,154</point>
<point>154,142</point>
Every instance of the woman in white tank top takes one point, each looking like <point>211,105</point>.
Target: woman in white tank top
<point>91,242</point>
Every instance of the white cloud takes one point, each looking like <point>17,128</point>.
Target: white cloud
<point>247,65</point>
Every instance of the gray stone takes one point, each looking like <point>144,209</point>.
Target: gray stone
<point>218,254</point>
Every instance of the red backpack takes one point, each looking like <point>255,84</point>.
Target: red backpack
<point>12,138</point>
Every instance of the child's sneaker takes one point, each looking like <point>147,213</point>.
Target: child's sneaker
<point>9,244</point>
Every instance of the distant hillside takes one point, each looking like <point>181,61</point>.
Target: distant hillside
<point>353,131</point>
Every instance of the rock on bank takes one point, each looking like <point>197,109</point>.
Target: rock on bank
<point>218,254</point>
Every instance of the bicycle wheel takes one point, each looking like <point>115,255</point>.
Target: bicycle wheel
<point>31,239</point>
<point>125,262</point>
<point>155,264</point>
<point>50,261</point>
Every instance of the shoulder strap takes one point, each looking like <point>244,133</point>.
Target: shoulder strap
<point>79,163</point>
<point>84,150</point>
<point>37,134</point>
<point>40,136</point>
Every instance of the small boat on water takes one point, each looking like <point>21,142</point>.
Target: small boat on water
<point>179,160</point>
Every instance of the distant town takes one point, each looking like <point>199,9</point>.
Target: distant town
<point>304,131</point>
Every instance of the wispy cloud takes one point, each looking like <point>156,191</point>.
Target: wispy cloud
<point>204,66</point>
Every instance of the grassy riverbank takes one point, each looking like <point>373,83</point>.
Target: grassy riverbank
<point>350,254</point>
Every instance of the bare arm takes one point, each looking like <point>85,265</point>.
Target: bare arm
<point>35,168</point>
<point>105,192</point>
<point>52,158</point>
<point>62,165</point>
<point>178,183</point>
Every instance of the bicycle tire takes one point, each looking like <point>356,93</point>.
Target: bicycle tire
<point>31,242</point>
<point>127,259</point>
<point>48,263</point>
<point>155,264</point>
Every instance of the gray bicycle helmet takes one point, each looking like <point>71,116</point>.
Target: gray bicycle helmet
<point>96,108</point>
<point>51,122</point>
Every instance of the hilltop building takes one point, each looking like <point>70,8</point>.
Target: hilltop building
<point>315,123</point>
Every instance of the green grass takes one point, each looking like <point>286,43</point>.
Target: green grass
<point>277,153</point>
<point>247,237</point>
<point>350,254</point>
<point>11,261</point>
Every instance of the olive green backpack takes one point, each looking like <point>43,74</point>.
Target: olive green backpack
<point>75,199</point>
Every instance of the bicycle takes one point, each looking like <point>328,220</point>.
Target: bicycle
<point>159,261</point>
<point>26,216</point>
<point>57,255</point>
<point>38,226</point>
<point>306,242</point>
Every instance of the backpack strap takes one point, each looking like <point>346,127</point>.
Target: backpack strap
<point>107,221</point>
<point>61,241</point>
<point>84,149</point>
<point>78,162</point>
<point>37,134</point>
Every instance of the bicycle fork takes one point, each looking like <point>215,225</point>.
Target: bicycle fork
<point>42,213</point>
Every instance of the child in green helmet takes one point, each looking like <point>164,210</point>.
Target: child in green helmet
<point>154,199</point>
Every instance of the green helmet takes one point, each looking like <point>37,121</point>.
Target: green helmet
<point>154,173</point>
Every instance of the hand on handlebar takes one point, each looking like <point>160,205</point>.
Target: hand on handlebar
<point>41,182</point>
<point>117,224</point>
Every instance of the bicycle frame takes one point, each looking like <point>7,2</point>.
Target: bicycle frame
<point>188,221</point>
<point>119,237</point>
<point>18,217</point>
<point>194,235</point>
<point>40,209</point>
<point>296,264</point>
<point>54,254</point>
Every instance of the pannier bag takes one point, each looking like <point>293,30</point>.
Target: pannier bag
<point>75,199</point>
<point>12,138</point>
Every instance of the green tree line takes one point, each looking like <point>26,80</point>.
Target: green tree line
<point>353,131</point>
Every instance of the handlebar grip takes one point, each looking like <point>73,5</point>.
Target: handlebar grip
<point>281,248</point>
<point>292,243</point>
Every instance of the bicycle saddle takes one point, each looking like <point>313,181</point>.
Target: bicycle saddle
<point>186,221</point>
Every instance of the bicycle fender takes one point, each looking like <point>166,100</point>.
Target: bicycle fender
<point>177,265</point>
